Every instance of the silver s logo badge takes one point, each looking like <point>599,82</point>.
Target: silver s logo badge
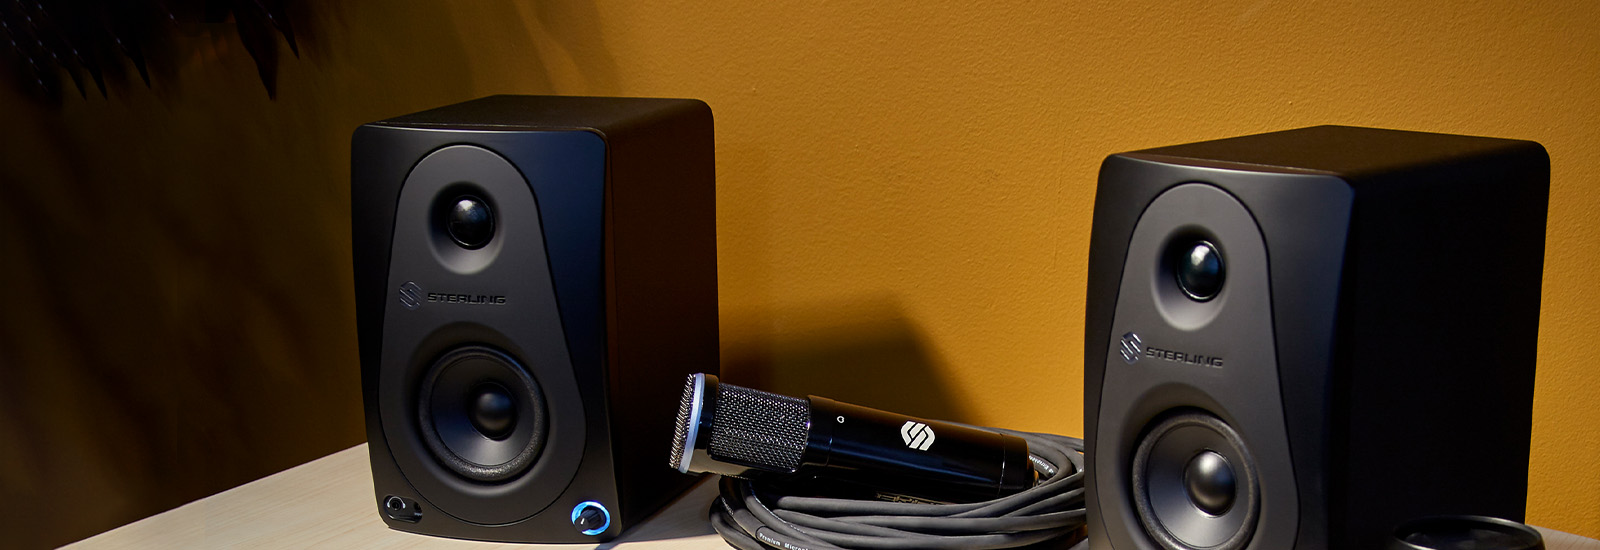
<point>916,435</point>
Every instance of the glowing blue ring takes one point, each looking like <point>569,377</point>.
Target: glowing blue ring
<point>578,510</point>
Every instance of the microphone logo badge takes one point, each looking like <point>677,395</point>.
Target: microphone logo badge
<point>1132,348</point>
<point>916,435</point>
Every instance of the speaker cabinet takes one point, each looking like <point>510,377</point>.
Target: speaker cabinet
<point>1303,339</point>
<point>534,278</point>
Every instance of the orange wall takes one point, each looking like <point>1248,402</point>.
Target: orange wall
<point>905,188</point>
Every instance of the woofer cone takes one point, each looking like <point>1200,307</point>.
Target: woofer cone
<point>482,415</point>
<point>1195,484</point>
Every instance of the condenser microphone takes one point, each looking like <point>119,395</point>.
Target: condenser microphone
<point>741,432</point>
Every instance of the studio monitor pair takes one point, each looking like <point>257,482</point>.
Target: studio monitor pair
<point>1305,339</point>
<point>534,278</point>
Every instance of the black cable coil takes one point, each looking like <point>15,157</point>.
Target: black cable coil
<point>754,515</point>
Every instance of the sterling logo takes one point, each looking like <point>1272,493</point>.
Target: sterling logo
<point>470,299</point>
<point>1185,358</point>
<point>1132,348</point>
<point>411,296</point>
<point>916,435</point>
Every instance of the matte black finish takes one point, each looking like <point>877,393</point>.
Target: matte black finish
<point>936,461</point>
<point>741,432</point>
<point>1403,278</point>
<point>590,259</point>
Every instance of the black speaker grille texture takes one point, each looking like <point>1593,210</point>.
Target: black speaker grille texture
<point>758,428</point>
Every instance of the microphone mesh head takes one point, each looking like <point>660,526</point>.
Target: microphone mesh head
<point>759,429</point>
<point>680,433</point>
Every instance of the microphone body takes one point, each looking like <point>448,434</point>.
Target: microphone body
<point>741,432</point>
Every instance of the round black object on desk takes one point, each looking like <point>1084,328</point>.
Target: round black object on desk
<point>1465,533</point>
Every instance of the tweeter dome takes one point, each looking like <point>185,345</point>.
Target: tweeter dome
<point>534,278</point>
<point>1305,339</point>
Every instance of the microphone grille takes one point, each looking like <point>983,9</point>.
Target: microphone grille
<point>760,429</point>
<point>680,431</point>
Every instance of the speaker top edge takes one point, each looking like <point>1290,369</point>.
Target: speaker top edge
<point>1345,150</point>
<point>1233,166</point>
<point>546,113</point>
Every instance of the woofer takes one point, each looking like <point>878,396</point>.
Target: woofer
<point>1195,485</point>
<point>482,415</point>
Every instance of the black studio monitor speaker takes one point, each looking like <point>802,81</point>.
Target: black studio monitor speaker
<point>535,277</point>
<point>1306,339</point>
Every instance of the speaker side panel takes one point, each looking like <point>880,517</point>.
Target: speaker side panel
<point>661,254</point>
<point>1438,341</point>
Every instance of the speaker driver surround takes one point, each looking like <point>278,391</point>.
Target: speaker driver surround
<point>482,415</point>
<point>1194,484</point>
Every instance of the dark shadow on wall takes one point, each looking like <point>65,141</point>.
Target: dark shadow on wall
<point>61,49</point>
<point>864,352</point>
<point>177,258</point>
<point>861,350</point>
<point>575,27</point>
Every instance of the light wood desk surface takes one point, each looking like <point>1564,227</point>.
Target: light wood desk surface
<point>328,503</point>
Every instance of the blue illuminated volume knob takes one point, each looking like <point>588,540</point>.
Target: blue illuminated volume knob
<point>591,518</point>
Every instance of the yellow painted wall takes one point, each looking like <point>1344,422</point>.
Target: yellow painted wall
<point>905,188</point>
